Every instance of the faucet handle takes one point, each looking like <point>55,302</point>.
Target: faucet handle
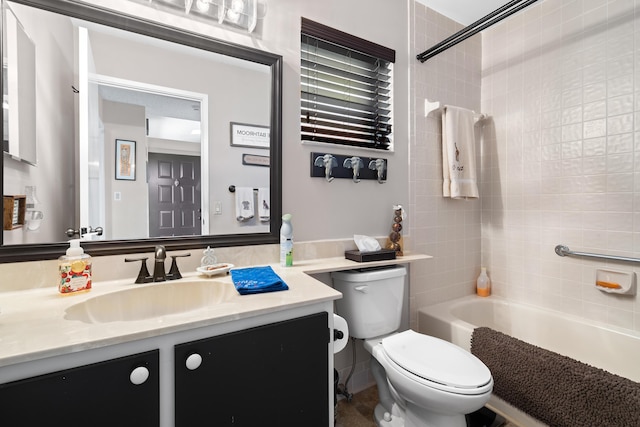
<point>174,272</point>
<point>143,274</point>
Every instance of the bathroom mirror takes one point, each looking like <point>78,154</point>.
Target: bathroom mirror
<point>126,79</point>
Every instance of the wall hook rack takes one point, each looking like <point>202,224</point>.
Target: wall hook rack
<point>356,168</point>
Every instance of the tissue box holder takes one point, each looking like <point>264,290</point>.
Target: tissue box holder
<point>381,255</point>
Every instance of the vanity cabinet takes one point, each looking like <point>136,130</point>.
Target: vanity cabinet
<point>271,375</point>
<point>98,394</point>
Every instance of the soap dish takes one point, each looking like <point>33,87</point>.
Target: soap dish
<point>617,282</point>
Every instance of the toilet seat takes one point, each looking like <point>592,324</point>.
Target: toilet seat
<point>437,363</point>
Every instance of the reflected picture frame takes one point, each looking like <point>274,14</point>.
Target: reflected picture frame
<point>251,136</point>
<point>125,160</point>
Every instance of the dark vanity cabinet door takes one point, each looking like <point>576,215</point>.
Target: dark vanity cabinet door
<point>100,394</point>
<point>274,375</point>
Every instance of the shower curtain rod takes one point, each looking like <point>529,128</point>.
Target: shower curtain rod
<point>481,24</point>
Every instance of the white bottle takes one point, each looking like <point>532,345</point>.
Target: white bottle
<point>483,284</point>
<point>286,241</point>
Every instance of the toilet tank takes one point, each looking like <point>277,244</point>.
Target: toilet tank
<point>371,300</point>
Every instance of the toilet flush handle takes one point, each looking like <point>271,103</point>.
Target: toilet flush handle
<point>364,289</point>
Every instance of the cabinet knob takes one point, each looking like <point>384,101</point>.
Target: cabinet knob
<point>139,375</point>
<point>194,361</point>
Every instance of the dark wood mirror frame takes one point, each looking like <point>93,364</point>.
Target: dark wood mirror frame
<point>33,252</point>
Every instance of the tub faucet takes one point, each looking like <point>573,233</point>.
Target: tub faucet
<point>159,273</point>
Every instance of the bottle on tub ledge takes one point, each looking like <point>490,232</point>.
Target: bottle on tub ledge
<point>483,284</point>
<point>286,241</point>
<point>74,269</point>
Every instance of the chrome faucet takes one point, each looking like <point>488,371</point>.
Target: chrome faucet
<point>159,273</point>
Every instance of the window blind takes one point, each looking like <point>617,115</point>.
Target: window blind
<point>346,87</point>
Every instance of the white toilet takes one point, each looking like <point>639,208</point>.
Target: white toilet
<point>422,380</point>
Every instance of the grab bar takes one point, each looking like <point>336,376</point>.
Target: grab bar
<point>562,250</point>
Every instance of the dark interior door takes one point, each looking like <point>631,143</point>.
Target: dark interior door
<point>174,195</point>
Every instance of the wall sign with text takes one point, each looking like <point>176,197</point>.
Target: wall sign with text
<point>245,135</point>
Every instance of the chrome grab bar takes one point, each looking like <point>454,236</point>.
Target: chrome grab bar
<point>563,250</point>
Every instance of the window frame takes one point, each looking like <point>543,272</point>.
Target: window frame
<point>360,116</point>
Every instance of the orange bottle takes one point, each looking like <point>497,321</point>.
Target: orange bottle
<point>483,284</point>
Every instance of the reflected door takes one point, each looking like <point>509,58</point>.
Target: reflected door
<point>174,195</point>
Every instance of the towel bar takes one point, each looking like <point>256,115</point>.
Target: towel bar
<point>563,250</point>
<point>433,107</point>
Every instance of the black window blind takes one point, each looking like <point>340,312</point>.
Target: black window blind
<point>346,87</point>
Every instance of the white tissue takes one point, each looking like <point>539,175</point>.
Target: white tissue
<point>366,243</point>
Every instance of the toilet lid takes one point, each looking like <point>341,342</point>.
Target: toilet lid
<point>436,360</point>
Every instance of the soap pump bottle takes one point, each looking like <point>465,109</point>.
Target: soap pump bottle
<point>74,269</point>
<point>483,284</point>
<point>286,241</point>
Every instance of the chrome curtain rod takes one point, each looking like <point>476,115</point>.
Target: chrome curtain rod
<point>562,250</point>
<point>481,24</point>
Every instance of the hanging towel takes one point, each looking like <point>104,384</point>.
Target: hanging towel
<point>458,154</point>
<point>244,203</point>
<point>264,202</point>
<point>255,280</point>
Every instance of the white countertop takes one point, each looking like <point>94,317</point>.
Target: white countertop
<point>33,324</point>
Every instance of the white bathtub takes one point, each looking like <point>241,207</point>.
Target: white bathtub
<point>616,351</point>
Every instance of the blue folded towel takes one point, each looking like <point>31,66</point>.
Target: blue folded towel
<point>255,280</point>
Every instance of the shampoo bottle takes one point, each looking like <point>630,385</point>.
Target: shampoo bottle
<point>74,269</point>
<point>286,241</point>
<point>483,284</point>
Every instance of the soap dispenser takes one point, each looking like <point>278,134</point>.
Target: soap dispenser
<point>74,269</point>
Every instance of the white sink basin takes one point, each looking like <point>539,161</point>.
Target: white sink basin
<point>151,301</point>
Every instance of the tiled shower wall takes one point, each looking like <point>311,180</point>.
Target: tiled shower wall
<point>561,157</point>
<point>449,230</point>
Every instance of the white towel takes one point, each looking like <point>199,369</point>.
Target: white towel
<point>244,203</point>
<point>264,203</point>
<point>458,154</point>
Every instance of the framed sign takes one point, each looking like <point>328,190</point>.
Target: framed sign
<point>254,160</point>
<point>125,160</point>
<point>244,135</point>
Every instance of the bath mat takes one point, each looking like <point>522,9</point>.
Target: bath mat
<point>555,389</point>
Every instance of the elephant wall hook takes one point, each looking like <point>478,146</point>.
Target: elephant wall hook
<point>328,161</point>
<point>356,164</point>
<point>379,165</point>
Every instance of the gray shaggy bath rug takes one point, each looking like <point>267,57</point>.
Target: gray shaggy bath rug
<point>556,389</point>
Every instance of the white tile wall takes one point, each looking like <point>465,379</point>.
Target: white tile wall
<point>449,230</point>
<point>561,161</point>
<point>560,157</point>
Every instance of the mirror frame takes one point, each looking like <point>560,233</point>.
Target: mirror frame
<point>83,11</point>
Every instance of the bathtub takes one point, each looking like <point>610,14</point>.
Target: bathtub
<point>614,350</point>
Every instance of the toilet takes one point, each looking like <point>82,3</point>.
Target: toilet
<point>422,380</point>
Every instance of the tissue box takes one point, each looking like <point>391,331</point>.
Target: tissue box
<point>381,255</point>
